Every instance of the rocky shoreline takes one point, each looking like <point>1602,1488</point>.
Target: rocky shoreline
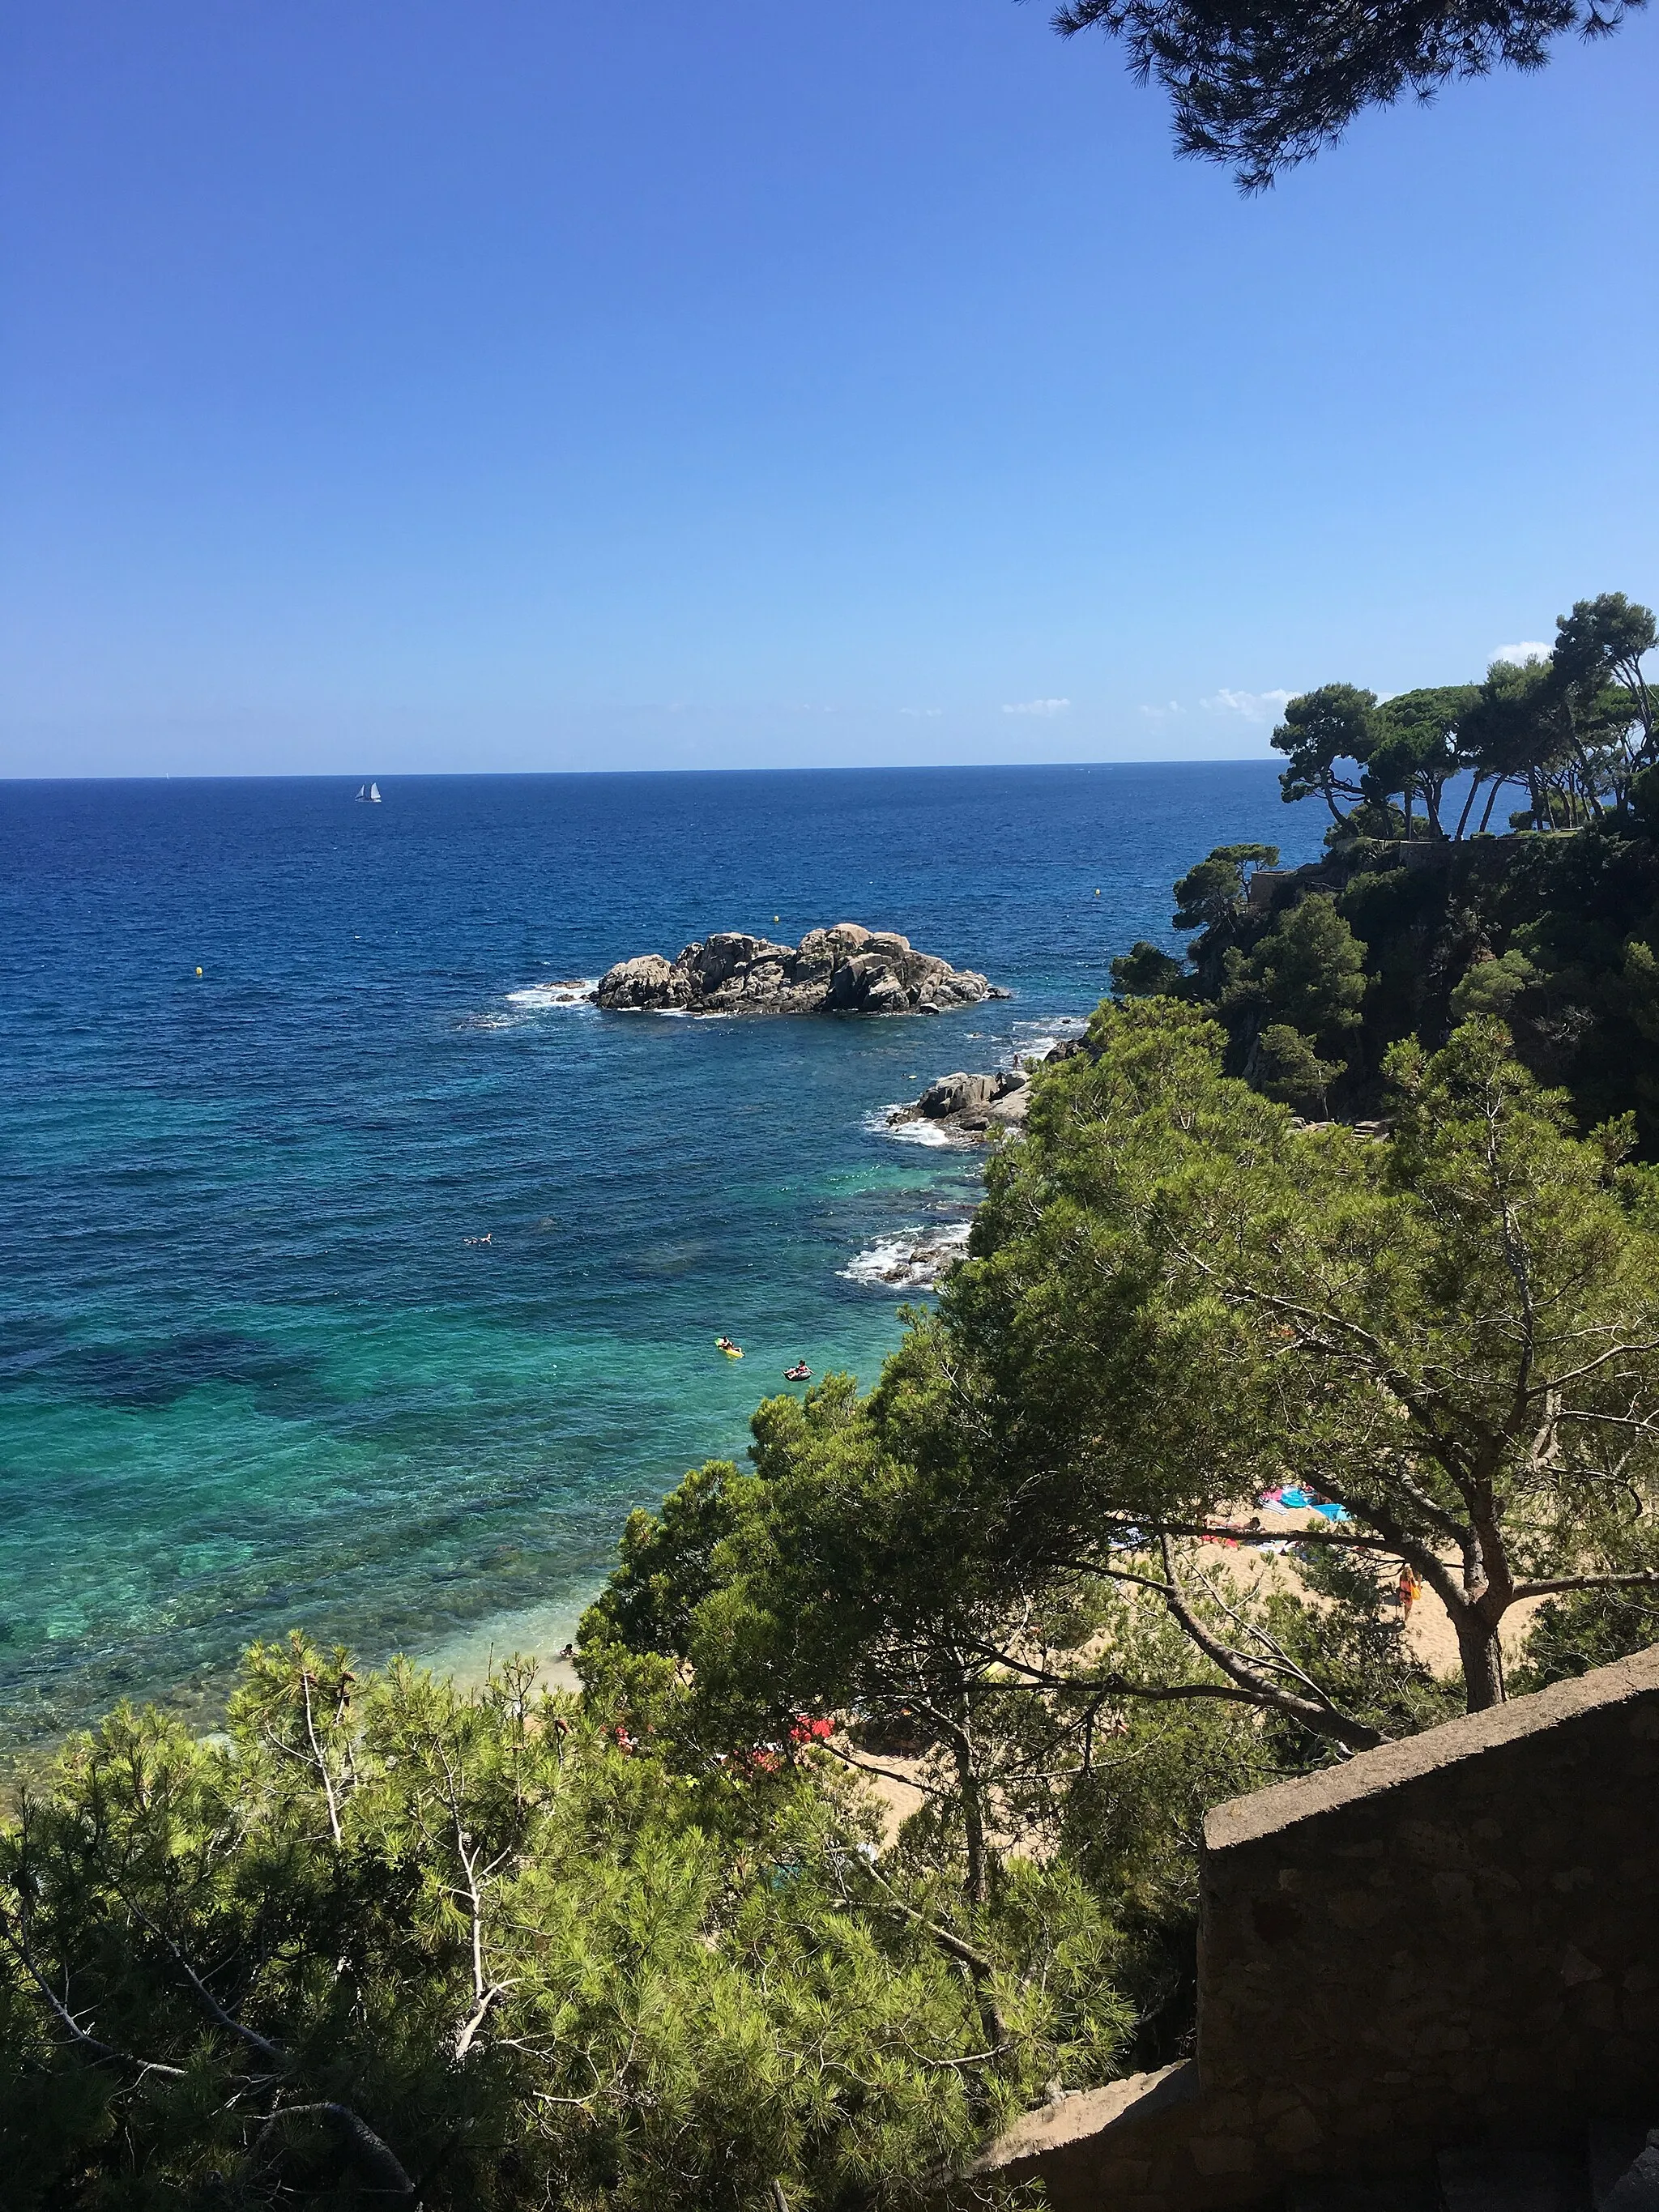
<point>969,1106</point>
<point>911,1258</point>
<point>974,1107</point>
<point>848,969</point>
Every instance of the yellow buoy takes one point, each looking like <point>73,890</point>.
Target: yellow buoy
<point>1097,894</point>
<point>774,917</point>
<point>198,971</point>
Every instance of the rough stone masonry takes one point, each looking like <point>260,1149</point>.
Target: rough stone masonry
<point>1452,1938</point>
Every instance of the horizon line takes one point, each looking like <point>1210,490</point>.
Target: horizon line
<point>527,775</point>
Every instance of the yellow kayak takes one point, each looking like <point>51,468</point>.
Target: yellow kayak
<point>731,1351</point>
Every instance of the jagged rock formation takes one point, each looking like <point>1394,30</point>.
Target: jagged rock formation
<point>969,1106</point>
<point>844,970</point>
<point>974,1106</point>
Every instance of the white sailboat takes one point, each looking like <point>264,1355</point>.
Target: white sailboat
<point>369,794</point>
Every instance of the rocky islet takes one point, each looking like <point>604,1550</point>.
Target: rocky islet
<point>848,969</point>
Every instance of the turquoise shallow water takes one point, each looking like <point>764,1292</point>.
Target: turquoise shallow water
<point>252,1373</point>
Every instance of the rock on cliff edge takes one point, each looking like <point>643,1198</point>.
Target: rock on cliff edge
<point>844,970</point>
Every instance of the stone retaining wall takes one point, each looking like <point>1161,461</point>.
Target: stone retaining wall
<point>1450,1936</point>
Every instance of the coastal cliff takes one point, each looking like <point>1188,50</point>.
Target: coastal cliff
<point>848,969</point>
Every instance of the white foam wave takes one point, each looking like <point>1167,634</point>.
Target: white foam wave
<point>913,1260</point>
<point>1035,1041</point>
<point>918,1131</point>
<point>574,991</point>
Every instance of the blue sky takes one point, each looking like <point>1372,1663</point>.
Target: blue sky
<point>511,385</point>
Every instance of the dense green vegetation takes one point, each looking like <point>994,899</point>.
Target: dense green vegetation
<point>1419,917</point>
<point>665,1945</point>
<point>385,1944</point>
<point>1003,1560</point>
<point>877,1819</point>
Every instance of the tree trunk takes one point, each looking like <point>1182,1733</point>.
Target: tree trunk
<point>978,1882</point>
<point>973,1822</point>
<point>1483,1665</point>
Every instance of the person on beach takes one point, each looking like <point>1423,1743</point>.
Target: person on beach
<point>1408,1589</point>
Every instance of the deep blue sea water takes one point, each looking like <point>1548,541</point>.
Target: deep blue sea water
<point>252,1373</point>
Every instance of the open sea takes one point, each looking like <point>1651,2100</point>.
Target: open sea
<point>253,1371</point>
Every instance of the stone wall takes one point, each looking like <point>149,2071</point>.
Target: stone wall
<point>1453,1936</point>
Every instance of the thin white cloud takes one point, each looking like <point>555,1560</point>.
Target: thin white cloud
<point>1162,714</point>
<point>1530,649</point>
<point>921,714</point>
<point>1039,707</point>
<point>1254,706</point>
